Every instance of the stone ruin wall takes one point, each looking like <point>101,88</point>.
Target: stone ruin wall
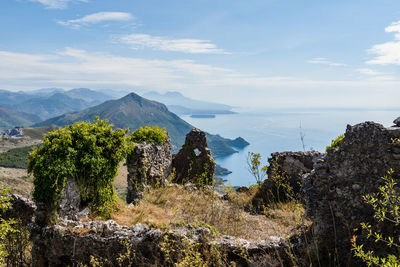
<point>148,165</point>
<point>332,192</point>
<point>194,162</point>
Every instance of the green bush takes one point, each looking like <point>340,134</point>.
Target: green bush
<point>149,134</point>
<point>90,153</point>
<point>335,142</point>
<point>386,206</point>
<point>6,226</point>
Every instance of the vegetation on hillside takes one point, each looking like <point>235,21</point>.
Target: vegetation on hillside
<point>16,158</point>
<point>88,152</point>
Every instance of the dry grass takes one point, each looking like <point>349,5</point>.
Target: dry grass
<point>120,182</point>
<point>18,180</point>
<point>174,205</point>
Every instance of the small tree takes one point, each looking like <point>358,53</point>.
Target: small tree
<point>386,206</point>
<point>90,153</point>
<point>254,167</point>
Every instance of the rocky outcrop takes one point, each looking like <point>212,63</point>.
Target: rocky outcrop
<point>285,173</point>
<point>194,162</point>
<point>14,132</point>
<point>148,165</point>
<point>72,243</point>
<point>333,190</point>
<point>22,209</point>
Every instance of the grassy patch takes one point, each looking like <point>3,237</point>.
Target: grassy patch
<point>38,132</point>
<point>16,157</point>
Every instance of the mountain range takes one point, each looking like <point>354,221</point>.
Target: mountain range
<point>47,103</point>
<point>11,118</point>
<point>133,111</point>
<point>181,105</point>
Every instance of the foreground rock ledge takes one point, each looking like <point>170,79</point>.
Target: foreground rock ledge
<point>72,243</point>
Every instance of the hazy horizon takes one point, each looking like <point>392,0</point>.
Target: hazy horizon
<point>271,53</point>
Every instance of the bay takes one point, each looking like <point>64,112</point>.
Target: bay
<point>270,131</point>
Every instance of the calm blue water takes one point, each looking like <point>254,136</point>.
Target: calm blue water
<point>270,131</point>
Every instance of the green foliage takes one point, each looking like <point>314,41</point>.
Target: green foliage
<point>335,142</point>
<point>16,157</point>
<point>149,134</point>
<point>87,152</point>
<point>255,168</point>
<point>6,226</point>
<point>386,206</point>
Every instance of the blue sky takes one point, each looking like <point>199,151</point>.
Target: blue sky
<point>276,53</point>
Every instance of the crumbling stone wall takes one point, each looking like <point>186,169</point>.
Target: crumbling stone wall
<point>148,165</point>
<point>285,173</point>
<point>333,190</point>
<point>72,243</point>
<point>194,162</point>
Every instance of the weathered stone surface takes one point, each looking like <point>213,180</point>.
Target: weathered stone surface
<point>22,209</point>
<point>72,243</point>
<point>70,203</point>
<point>397,122</point>
<point>194,162</point>
<point>148,165</point>
<point>285,173</point>
<point>333,190</point>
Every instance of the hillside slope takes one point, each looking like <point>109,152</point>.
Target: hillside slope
<point>10,118</point>
<point>133,111</point>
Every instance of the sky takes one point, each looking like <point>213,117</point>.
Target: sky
<point>254,53</point>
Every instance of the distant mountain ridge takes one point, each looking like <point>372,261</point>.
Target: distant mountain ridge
<point>47,103</point>
<point>11,118</point>
<point>182,105</point>
<point>133,111</point>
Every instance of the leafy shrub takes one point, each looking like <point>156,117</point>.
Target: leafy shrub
<point>6,226</point>
<point>335,142</point>
<point>386,205</point>
<point>87,152</point>
<point>149,134</point>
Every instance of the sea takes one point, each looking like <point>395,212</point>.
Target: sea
<point>270,131</point>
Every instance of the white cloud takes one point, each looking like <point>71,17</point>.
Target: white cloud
<point>394,27</point>
<point>389,52</point>
<point>71,68</point>
<point>192,46</point>
<point>367,71</point>
<point>56,4</point>
<point>97,18</point>
<point>324,61</point>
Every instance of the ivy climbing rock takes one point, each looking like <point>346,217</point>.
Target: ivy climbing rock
<point>74,170</point>
<point>194,162</point>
